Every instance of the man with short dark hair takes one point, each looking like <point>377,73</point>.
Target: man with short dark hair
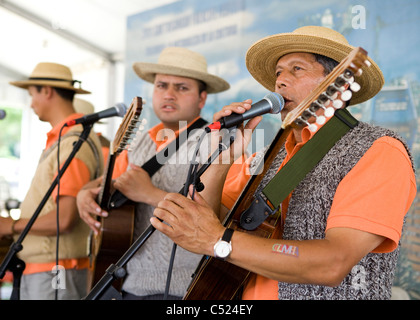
<point>52,89</point>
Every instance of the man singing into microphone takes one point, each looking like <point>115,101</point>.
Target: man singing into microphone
<point>52,89</point>
<point>342,222</point>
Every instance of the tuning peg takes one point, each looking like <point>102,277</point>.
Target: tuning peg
<point>307,114</point>
<point>348,74</point>
<point>311,126</point>
<point>355,87</point>
<point>337,104</point>
<point>127,140</point>
<point>346,95</point>
<point>135,121</point>
<point>317,104</point>
<point>358,73</point>
<point>333,89</point>
<point>321,120</point>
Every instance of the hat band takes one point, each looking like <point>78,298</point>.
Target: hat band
<point>56,79</point>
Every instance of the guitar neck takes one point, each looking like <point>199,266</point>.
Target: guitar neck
<point>105,194</point>
<point>123,138</point>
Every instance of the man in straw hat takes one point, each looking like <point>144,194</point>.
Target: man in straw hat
<point>181,84</point>
<point>342,223</point>
<point>52,89</point>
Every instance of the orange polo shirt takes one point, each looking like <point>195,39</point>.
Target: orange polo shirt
<point>77,173</point>
<point>373,197</point>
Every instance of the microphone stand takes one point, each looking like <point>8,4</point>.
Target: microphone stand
<point>103,290</point>
<point>11,261</point>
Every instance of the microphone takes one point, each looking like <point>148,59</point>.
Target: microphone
<point>118,110</point>
<point>271,103</point>
<point>2,114</point>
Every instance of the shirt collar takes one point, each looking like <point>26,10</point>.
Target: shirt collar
<point>53,134</point>
<point>292,147</point>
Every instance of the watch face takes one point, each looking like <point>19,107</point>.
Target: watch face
<point>223,249</point>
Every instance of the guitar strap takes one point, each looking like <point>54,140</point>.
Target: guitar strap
<point>153,165</point>
<point>283,183</point>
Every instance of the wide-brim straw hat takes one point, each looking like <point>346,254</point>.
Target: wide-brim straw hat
<point>51,74</point>
<point>83,106</point>
<point>262,57</point>
<point>181,62</point>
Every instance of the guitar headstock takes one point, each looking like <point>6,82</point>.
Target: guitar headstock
<point>128,127</point>
<point>331,94</point>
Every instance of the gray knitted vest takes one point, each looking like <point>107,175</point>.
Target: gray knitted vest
<point>148,268</point>
<point>308,211</point>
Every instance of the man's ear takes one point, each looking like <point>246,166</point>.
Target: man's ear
<point>49,91</point>
<point>203,98</point>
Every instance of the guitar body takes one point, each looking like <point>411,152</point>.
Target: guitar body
<point>114,238</point>
<point>215,279</point>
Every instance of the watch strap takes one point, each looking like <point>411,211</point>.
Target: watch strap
<point>227,235</point>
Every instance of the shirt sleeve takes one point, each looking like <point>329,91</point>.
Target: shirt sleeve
<point>377,193</point>
<point>74,178</point>
<point>121,164</point>
<point>236,180</point>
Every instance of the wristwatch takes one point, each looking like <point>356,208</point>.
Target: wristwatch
<point>223,247</point>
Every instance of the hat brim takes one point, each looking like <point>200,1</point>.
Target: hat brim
<point>24,84</point>
<point>147,71</point>
<point>262,57</point>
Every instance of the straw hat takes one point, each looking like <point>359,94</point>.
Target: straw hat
<point>83,106</point>
<point>51,74</point>
<point>181,62</point>
<point>263,55</point>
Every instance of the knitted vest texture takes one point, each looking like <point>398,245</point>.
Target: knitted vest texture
<point>307,215</point>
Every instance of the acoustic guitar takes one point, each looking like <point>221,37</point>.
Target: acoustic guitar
<point>116,232</point>
<point>215,279</point>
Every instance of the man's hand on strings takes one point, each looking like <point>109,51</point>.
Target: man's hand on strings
<point>192,224</point>
<point>137,186</point>
<point>87,206</point>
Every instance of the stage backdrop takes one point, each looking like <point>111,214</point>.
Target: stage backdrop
<point>223,30</point>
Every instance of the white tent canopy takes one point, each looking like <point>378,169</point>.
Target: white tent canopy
<point>89,36</point>
<point>73,31</point>
<point>86,35</point>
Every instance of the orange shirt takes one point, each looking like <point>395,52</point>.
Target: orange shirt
<point>77,173</point>
<point>373,197</point>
